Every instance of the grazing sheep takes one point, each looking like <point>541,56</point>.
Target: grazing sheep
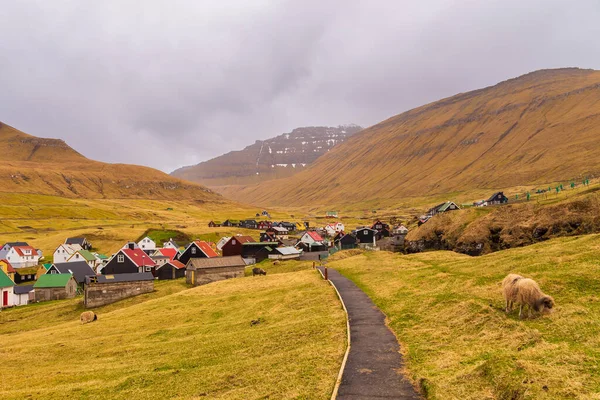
<point>258,271</point>
<point>509,290</point>
<point>530,294</point>
<point>87,317</point>
<point>276,262</point>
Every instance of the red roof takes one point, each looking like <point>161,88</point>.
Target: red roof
<point>206,249</point>
<point>9,267</point>
<point>139,258</point>
<point>169,252</point>
<point>315,236</point>
<point>177,264</point>
<point>242,239</point>
<point>21,250</point>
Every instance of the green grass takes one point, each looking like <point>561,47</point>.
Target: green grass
<point>447,311</point>
<point>196,343</point>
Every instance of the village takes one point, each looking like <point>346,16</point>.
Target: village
<point>76,269</point>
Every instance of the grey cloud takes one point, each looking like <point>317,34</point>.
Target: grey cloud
<point>169,83</point>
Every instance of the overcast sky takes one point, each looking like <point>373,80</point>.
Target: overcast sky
<point>172,83</point>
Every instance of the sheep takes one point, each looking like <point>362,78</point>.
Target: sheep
<point>509,290</point>
<point>528,293</point>
<point>87,317</point>
<point>276,262</point>
<point>258,271</point>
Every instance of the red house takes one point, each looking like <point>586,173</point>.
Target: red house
<point>264,225</point>
<point>234,246</point>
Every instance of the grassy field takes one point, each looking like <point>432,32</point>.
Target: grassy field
<point>178,343</point>
<point>447,311</point>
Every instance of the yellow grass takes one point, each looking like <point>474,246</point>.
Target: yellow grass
<point>197,343</point>
<point>447,311</point>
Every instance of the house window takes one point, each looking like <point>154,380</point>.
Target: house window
<point>193,250</point>
<point>120,258</point>
<point>148,269</point>
<point>366,232</point>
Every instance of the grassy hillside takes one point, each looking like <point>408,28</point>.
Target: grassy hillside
<point>278,157</point>
<point>197,343</point>
<point>447,311</point>
<point>49,166</point>
<point>540,127</point>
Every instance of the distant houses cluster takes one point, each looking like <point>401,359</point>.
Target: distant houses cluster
<point>497,198</point>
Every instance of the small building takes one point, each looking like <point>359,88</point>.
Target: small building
<point>249,224</point>
<point>170,270</point>
<point>171,244</point>
<point>64,251</point>
<point>254,250</point>
<point>6,290</point>
<point>264,225</point>
<point>22,256</point>
<point>23,295</point>
<point>346,242</point>
<point>366,236</point>
<point>107,289</point>
<point>497,198</point>
<point>200,271</point>
<point>28,274</point>
<point>444,207</point>
<point>159,260</point>
<point>81,241</point>
<point>127,261</point>
<point>311,241</point>
<point>147,244</point>
<point>278,232</point>
<point>233,247</point>
<point>231,223</point>
<point>285,253</point>
<point>55,287</point>
<point>196,249</point>
<point>214,224</point>
<point>79,269</point>
<point>8,269</point>
<point>379,226</point>
<point>168,252</point>
<point>383,233</point>
<point>85,256</point>
<point>222,242</point>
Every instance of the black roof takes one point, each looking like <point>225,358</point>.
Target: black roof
<point>23,289</point>
<point>78,241</point>
<point>13,244</point>
<point>79,270</point>
<point>134,277</point>
<point>496,194</point>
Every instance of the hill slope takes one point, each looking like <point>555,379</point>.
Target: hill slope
<point>278,157</point>
<point>49,166</point>
<point>540,127</point>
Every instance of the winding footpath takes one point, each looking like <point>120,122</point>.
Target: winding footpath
<point>374,364</point>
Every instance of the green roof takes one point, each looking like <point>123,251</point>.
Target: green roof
<point>52,281</point>
<point>5,281</point>
<point>47,266</point>
<point>102,256</point>
<point>87,255</point>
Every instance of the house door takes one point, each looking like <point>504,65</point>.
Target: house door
<point>5,299</point>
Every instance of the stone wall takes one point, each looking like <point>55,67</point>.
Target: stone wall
<point>202,276</point>
<point>100,294</point>
<point>47,294</point>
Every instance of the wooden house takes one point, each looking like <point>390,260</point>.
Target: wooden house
<point>443,207</point>
<point>497,198</point>
<point>366,236</point>
<point>196,249</point>
<point>159,260</point>
<point>81,241</point>
<point>28,274</point>
<point>311,241</point>
<point>22,256</point>
<point>9,245</point>
<point>23,295</point>
<point>79,269</point>
<point>346,242</point>
<point>383,233</point>
<point>64,251</point>
<point>285,253</point>
<point>55,287</point>
<point>168,252</point>
<point>200,271</point>
<point>233,247</point>
<point>249,224</point>
<point>264,225</point>
<point>222,242</point>
<point>147,245</point>
<point>86,256</point>
<point>254,250</point>
<point>171,244</point>
<point>379,226</point>
<point>214,224</point>
<point>128,261</point>
<point>8,269</point>
<point>231,223</point>
<point>6,290</point>
<point>170,270</point>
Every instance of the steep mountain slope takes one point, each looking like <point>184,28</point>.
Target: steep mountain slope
<point>49,166</point>
<point>541,127</point>
<point>279,157</point>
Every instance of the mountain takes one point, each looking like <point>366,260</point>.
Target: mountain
<point>279,157</point>
<point>540,127</point>
<point>49,166</point>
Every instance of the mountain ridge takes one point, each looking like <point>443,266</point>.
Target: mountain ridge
<point>500,136</point>
<point>278,157</point>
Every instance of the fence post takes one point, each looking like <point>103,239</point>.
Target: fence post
<point>326,277</point>
<point>313,265</point>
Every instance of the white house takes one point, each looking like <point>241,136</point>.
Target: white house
<point>311,238</point>
<point>23,256</point>
<point>281,233</point>
<point>84,255</point>
<point>23,295</point>
<point>171,245</point>
<point>64,251</point>
<point>147,244</point>
<point>222,242</point>
<point>9,245</point>
<point>285,253</point>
